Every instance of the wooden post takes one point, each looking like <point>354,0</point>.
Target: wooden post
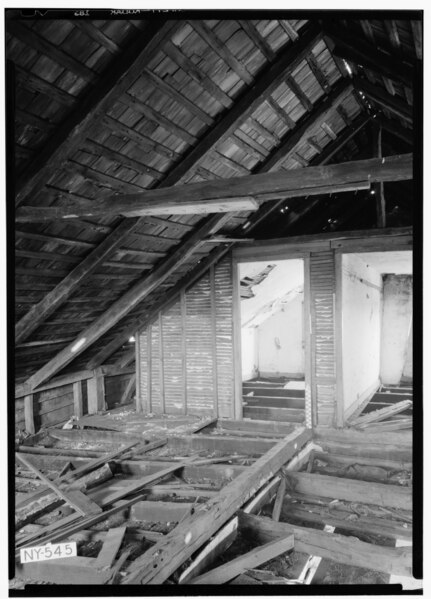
<point>29,414</point>
<point>138,404</point>
<point>378,188</point>
<point>77,399</point>
<point>96,392</point>
<point>339,391</point>
<point>149,394</point>
<point>184,347</point>
<point>237,363</point>
<point>309,416</point>
<point>161,366</point>
<point>214,339</point>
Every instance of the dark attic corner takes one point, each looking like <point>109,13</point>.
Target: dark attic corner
<point>214,226</point>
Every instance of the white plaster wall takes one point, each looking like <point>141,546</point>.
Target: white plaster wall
<point>280,340</point>
<point>397,318</point>
<point>361,318</point>
<point>249,355</point>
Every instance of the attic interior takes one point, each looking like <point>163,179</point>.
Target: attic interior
<point>213,297</point>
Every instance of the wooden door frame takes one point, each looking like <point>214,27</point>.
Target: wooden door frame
<point>379,246</point>
<point>264,254</point>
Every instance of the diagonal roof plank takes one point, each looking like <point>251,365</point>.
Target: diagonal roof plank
<point>128,301</point>
<point>86,116</point>
<point>347,45</point>
<point>328,152</point>
<point>245,105</point>
<point>220,195</point>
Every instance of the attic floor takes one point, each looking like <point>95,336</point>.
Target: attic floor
<point>204,456</point>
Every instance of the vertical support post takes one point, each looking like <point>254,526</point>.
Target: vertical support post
<point>237,365</point>
<point>161,366</point>
<point>149,359</point>
<point>378,188</point>
<point>96,392</point>
<point>29,414</point>
<point>78,409</point>
<point>184,347</point>
<point>138,399</point>
<point>214,340</point>
<point>310,418</point>
<point>339,339</point>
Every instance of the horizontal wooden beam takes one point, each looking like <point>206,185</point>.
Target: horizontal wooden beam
<point>392,496</point>
<point>269,186</point>
<point>181,206</point>
<point>336,547</point>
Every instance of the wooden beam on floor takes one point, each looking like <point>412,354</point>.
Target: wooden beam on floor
<point>255,557</point>
<point>71,570</point>
<point>336,547</point>
<point>82,504</point>
<point>160,511</point>
<point>346,489</point>
<point>110,547</point>
<point>226,444</point>
<point>157,564</point>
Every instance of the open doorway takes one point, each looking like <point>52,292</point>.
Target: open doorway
<point>272,339</point>
<point>376,312</point>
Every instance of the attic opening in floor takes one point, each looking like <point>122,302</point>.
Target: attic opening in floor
<point>214,341</point>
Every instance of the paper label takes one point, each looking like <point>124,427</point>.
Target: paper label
<point>49,551</point>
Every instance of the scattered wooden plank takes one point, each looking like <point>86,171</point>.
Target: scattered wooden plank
<point>279,500</point>
<point>345,550</point>
<point>82,504</point>
<point>256,557</point>
<point>160,511</point>
<point>152,445</point>
<point>110,547</point>
<point>158,563</point>
<point>394,425</point>
<point>217,545</point>
<point>227,534</point>
<point>314,514</point>
<point>70,570</point>
<point>381,414</point>
<point>29,414</point>
<point>348,489</point>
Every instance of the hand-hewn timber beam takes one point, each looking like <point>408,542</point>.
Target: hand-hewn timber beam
<point>351,47</point>
<point>180,206</point>
<point>246,104</point>
<point>128,301</point>
<point>86,116</point>
<point>269,186</point>
<point>328,152</point>
<point>381,96</point>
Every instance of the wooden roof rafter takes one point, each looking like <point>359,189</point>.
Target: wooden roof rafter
<point>263,87</point>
